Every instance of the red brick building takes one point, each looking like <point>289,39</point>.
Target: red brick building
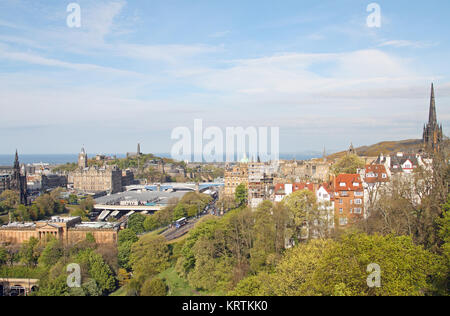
<point>348,199</point>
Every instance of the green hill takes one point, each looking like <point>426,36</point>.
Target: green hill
<point>387,147</point>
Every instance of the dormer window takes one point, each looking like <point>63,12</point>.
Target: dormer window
<point>342,184</point>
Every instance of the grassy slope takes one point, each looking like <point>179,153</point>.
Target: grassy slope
<point>177,285</point>
<point>120,292</point>
<point>410,145</point>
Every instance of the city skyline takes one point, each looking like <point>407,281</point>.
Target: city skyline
<point>134,71</point>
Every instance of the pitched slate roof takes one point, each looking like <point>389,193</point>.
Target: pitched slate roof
<point>348,180</point>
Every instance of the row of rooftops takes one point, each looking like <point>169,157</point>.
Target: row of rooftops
<point>401,162</point>
<point>378,172</point>
<point>58,221</point>
<point>341,183</point>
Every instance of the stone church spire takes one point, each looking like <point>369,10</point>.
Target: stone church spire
<point>432,117</point>
<point>432,132</point>
<point>16,162</point>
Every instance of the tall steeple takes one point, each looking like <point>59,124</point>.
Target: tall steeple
<point>351,150</point>
<point>82,159</point>
<point>432,117</point>
<point>16,162</point>
<point>19,181</point>
<point>432,132</point>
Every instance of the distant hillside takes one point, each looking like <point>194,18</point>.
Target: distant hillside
<point>410,145</point>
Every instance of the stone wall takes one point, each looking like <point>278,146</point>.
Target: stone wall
<point>102,236</point>
<point>17,236</point>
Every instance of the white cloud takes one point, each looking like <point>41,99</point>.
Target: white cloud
<point>406,43</point>
<point>50,62</point>
<point>296,74</point>
<point>168,53</point>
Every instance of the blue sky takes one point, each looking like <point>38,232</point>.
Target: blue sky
<point>135,70</point>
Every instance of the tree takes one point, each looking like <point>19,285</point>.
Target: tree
<point>29,252</point>
<point>180,211</point>
<point>151,223</point>
<point>444,235</point>
<point>206,228</point>
<point>79,212</point>
<point>282,231</point>
<point>154,287</point>
<point>411,204</point>
<point>213,271</point>
<point>123,277</point>
<point>123,255</point>
<point>254,285</point>
<point>22,214</point>
<point>348,164</point>
<point>127,235</point>
<point>101,273</point>
<point>9,199</point>
<point>91,288</point>
<point>264,237</point>
<point>3,256</point>
<point>52,252</point>
<point>94,266</point>
<point>335,268</point>
<point>136,223</point>
<point>294,275</point>
<point>406,269</point>
<point>239,239</point>
<point>241,194</point>
<point>195,202</point>
<point>87,204</point>
<point>149,256</point>
<point>73,199</point>
<point>54,287</point>
<point>305,213</point>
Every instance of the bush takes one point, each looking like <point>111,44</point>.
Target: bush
<point>154,287</point>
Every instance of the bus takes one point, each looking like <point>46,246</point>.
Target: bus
<point>181,222</point>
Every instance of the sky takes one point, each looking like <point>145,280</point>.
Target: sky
<point>135,70</point>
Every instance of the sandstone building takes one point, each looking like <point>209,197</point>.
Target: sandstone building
<point>234,176</point>
<point>95,179</point>
<point>68,230</point>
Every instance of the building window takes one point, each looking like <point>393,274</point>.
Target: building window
<point>358,210</point>
<point>342,221</point>
<point>355,184</point>
<point>340,201</point>
<point>341,211</point>
<point>358,201</point>
<point>342,184</point>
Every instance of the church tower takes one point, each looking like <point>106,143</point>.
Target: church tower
<point>82,159</point>
<point>19,181</point>
<point>351,150</point>
<point>432,132</point>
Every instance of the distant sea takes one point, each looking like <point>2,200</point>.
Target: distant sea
<point>8,160</point>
